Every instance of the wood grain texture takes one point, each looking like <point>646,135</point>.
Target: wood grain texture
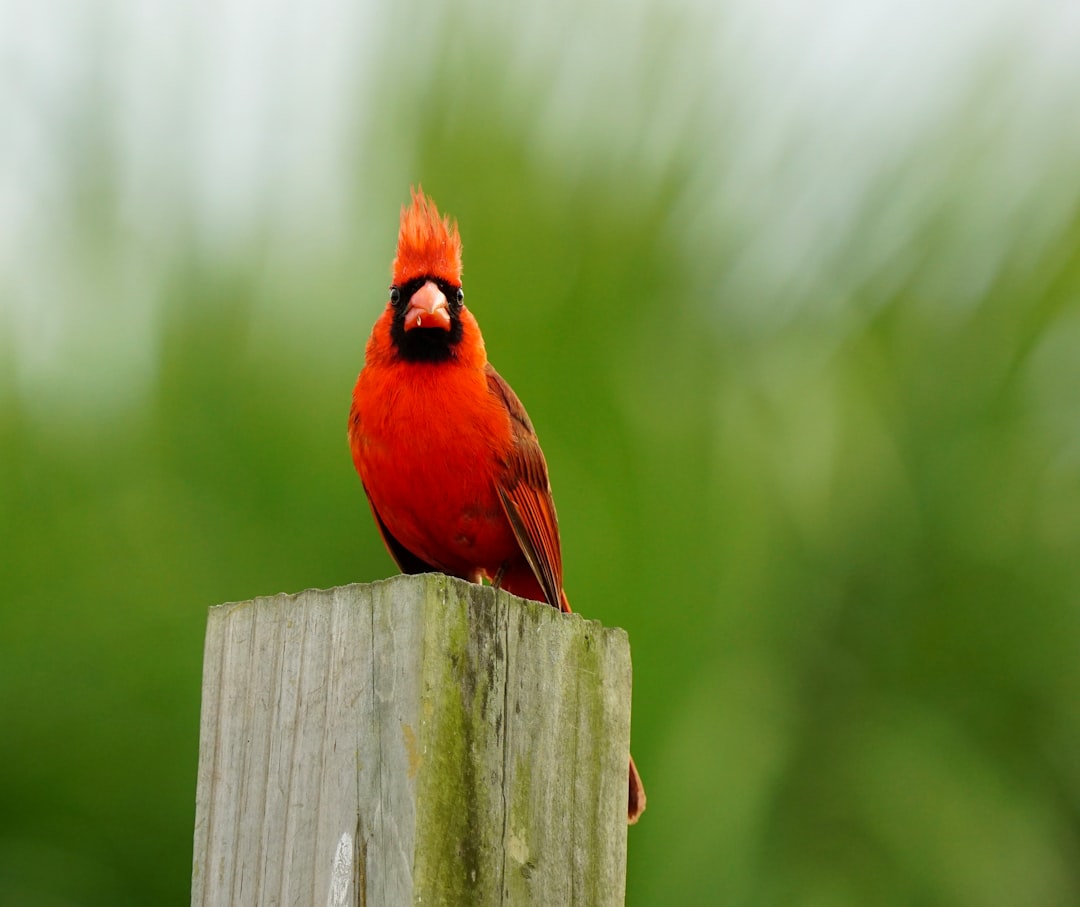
<point>416,741</point>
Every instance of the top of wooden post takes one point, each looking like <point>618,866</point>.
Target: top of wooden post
<point>417,740</point>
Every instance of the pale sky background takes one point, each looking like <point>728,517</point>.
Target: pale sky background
<point>237,123</point>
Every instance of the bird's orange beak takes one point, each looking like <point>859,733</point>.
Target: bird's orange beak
<point>428,309</point>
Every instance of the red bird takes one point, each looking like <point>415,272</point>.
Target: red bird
<point>474,501</point>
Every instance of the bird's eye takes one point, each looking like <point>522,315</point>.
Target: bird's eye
<point>460,295</point>
<point>395,295</point>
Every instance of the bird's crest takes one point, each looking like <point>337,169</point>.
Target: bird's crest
<point>428,244</point>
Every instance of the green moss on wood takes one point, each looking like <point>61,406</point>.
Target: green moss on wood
<point>454,801</point>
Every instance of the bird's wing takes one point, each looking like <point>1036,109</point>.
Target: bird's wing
<point>525,493</point>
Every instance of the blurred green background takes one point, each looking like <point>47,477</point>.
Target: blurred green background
<point>792,295</point>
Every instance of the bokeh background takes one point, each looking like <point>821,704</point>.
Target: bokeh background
<point>791,291</point>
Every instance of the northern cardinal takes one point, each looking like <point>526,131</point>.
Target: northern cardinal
<point>446,452</point>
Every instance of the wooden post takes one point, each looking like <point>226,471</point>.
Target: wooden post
<point>421,740</point>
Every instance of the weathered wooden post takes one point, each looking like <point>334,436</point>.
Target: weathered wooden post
<point>416,741</point>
